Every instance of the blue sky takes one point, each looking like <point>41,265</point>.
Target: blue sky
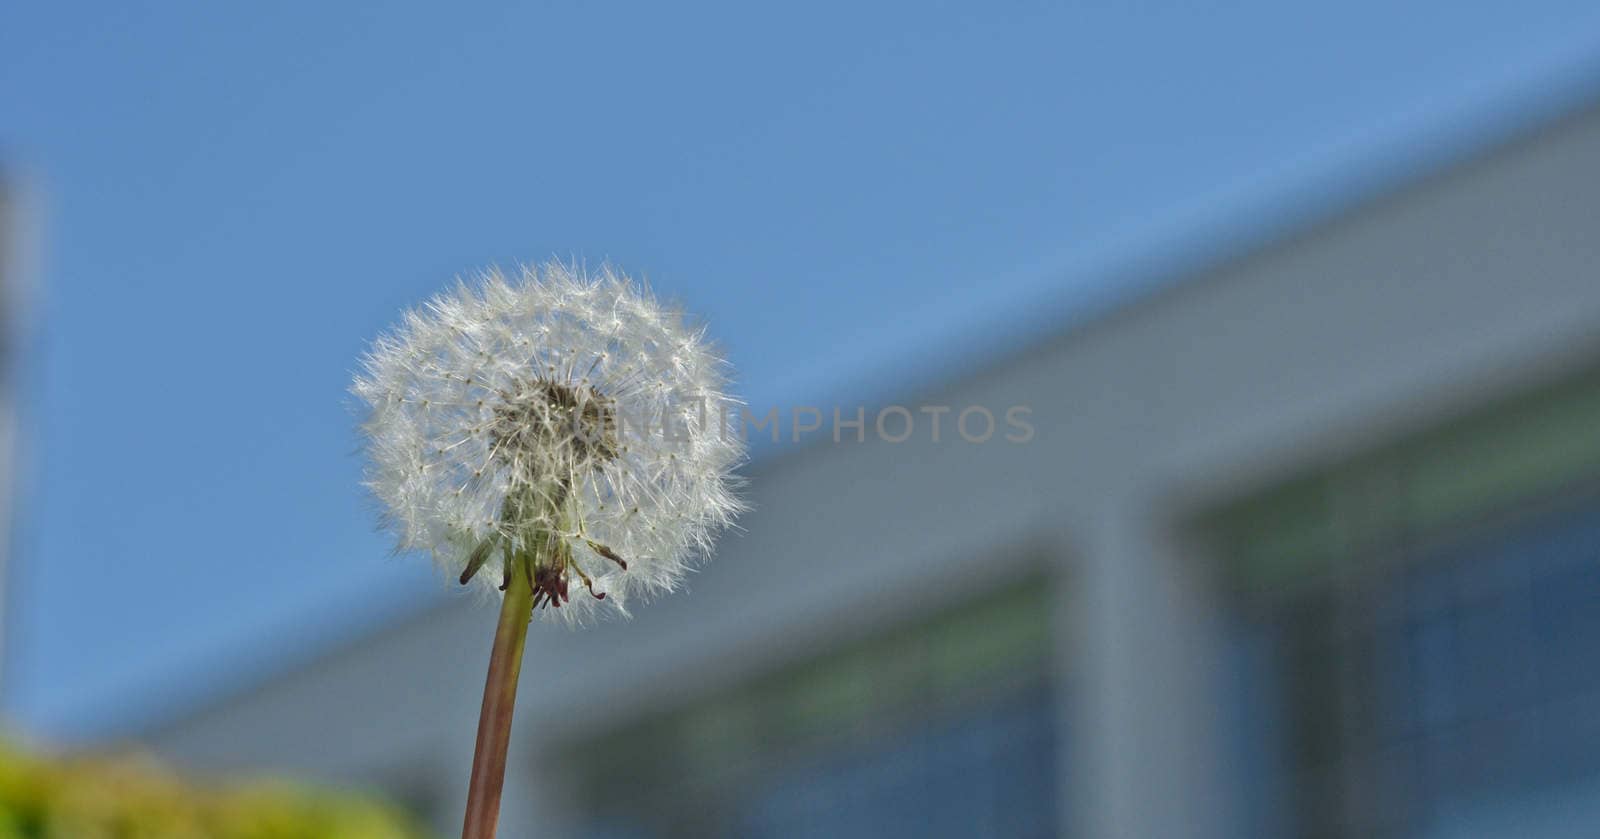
<point>233,199</point>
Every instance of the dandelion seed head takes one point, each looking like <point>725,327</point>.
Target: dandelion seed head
<point>564,414</point>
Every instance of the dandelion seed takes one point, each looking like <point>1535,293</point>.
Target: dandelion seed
<point>482,440</point>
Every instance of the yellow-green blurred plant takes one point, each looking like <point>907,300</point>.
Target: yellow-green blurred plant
<point>130,798</point>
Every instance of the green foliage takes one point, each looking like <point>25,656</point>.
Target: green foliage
<point>130,798</point>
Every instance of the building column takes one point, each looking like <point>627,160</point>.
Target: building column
<point>1144,756</point>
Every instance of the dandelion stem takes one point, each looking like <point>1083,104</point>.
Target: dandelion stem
<point>499,700</point>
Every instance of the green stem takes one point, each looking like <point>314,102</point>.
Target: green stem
<point>499,700</point>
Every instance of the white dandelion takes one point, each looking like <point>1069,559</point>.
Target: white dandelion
<point>565,425</point>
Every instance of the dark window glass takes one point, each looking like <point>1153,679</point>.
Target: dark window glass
<point>1452,692</point>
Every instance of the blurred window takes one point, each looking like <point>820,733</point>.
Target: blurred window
<point>946,728</point>
<point>1424,659</point>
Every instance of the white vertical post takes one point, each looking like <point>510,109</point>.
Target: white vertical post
<point>1144,756</point>
<point>9,323</point>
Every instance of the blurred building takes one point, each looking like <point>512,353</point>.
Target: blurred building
<point>1305,545</point>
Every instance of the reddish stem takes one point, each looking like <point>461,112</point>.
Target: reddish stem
<point>499,700</point>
